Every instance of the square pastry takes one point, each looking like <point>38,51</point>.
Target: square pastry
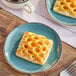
<point>34,48</point>
<point>65,7</point>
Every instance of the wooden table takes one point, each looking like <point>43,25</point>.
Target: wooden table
<point>8,22</point>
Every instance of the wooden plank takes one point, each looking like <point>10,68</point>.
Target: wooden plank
<point>8,22</point>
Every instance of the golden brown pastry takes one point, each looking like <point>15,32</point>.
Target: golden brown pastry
<point>34,48</point>
<point>65,7</point>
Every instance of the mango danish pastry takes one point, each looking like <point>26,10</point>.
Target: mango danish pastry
<point>34,48</point>
<point>65,7</point>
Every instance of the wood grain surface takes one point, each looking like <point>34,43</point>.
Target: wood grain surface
<point>8,22</point>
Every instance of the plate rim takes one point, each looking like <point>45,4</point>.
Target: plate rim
<point>65,23</point>
<point>31,72</point>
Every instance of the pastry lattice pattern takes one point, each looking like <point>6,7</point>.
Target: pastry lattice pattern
<point>68,6</point>
<point>34,46</point>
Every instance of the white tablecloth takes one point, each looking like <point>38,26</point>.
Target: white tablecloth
<point>66,33</point>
